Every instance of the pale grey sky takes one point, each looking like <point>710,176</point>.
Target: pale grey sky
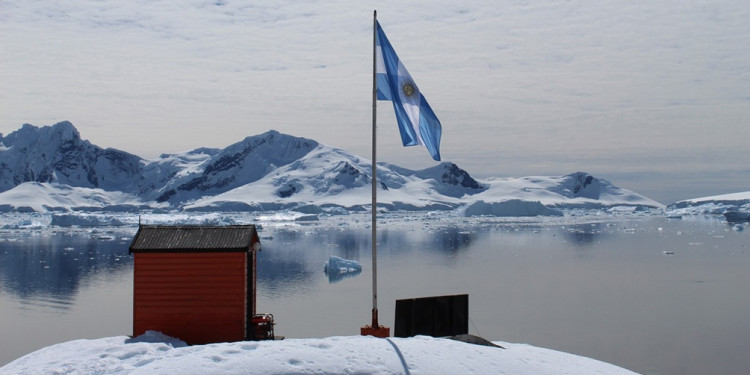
<point>651,95</point>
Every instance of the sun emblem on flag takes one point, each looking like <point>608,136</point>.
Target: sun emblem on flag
<point>408,88</point>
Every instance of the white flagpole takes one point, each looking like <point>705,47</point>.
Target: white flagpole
<point>375,324</point>
<point>375,329</point>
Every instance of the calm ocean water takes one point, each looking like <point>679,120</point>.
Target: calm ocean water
<point>654,295</point>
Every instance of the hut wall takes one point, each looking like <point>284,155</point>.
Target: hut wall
<point>197,297</point>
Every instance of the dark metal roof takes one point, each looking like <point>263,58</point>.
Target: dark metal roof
<point>156,238</point>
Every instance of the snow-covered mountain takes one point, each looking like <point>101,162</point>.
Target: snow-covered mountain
<point>57,154</point>
<point>52,169</point>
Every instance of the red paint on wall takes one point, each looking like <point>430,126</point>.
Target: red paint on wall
<point>196,297</point>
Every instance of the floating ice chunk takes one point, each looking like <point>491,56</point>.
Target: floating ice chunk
<point>340,265</point>
<point>339,268</point>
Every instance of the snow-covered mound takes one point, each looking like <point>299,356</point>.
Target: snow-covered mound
<point>713,205</point>
<point>157,354</point>
<point>52,169</point>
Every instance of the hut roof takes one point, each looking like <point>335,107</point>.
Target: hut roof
<point>156,238</point>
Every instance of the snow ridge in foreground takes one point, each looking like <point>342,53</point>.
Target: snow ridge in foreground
<point>333,355</point>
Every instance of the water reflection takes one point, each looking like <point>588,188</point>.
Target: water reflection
<point>600,290</point>
<point>47,269</point>
<point>294,256</point>
<point>334,277</point>
<point>583,234</point>
<point>451,240</point>
<point>278,275</point>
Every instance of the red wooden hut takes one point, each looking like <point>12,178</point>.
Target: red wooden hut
<point>196,283</point>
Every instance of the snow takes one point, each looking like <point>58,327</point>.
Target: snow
<point>154,353</point>
<point>310,184</point>
<point>45,197</point>
<point>712,205</point>
<point>266,172</point>
<point>742,196</point>
<point>53,170</point>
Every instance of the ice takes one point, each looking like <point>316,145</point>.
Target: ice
<point>713,205</point>
<point>92,220</point>
<point>338,268</point>
<point>340,265</point>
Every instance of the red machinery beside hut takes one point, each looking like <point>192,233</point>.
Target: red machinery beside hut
<point>197,283</point>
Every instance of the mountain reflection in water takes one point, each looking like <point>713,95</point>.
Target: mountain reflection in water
<point>49,268</point>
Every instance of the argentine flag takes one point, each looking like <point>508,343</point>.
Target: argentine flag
<point>416,120</point>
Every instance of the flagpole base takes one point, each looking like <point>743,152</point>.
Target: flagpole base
<point>379,331</point>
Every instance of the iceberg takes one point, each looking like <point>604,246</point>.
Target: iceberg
<point>734,206</point>
<point>340,265</point>
<point>338,268</point>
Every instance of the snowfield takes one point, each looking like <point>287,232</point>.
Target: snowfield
<point>154,353</point>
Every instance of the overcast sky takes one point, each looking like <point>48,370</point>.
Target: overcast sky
<point>651,95</point>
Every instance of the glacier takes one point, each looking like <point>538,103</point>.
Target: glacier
<point>735,207</point>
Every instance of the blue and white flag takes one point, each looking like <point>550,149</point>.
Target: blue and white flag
<point>416,120</point>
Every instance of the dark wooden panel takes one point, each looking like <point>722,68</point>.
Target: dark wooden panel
<point>432,316</point>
